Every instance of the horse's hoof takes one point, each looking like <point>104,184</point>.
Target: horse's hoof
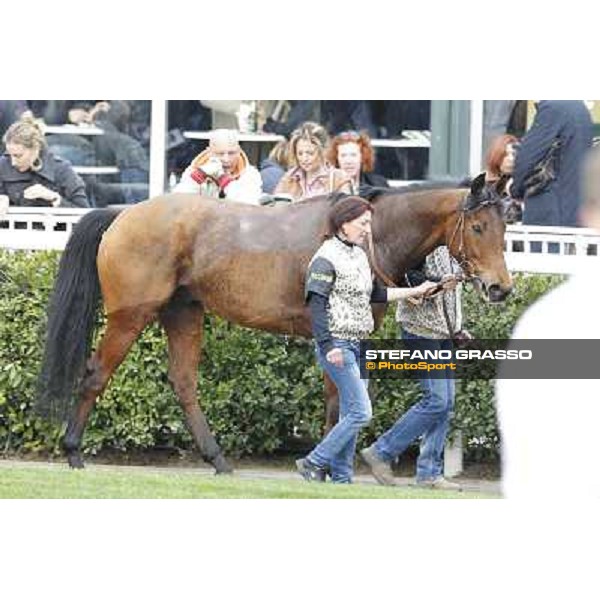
<point>222,467</point>
<point>75,461</point>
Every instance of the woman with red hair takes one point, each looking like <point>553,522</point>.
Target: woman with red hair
<point>501,157</point>
<point>500,162</point>
<point>353,153</point>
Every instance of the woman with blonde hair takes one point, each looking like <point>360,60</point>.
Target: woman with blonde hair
<point>311,174</point>
<point>30,175</point>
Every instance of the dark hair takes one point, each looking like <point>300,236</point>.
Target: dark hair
<point>345,210</point>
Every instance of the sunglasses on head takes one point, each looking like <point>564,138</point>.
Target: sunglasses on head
<point>349,135</point>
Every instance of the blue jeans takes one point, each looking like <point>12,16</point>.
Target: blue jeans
<point>336,450</point>
<point>430,417</point>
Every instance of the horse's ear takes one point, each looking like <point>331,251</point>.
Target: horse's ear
<point>478,184</point>
<point>500,186</point>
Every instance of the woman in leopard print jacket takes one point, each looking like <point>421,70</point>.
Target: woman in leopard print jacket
<point>339,291</point>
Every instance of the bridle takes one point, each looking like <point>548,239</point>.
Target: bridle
<point>467,272</point>
<point>466,264</point>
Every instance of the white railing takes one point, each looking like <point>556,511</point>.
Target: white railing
<point>48,229</point>
<point>36,228</point>
<point>560,250</point>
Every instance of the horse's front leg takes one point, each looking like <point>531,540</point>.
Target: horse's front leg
<point>183,321</point>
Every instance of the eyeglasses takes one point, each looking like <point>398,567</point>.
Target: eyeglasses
<point>351,136</point>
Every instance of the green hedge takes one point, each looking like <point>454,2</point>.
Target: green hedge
<point>261,392</point>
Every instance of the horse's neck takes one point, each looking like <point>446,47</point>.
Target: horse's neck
<point>409,228</point>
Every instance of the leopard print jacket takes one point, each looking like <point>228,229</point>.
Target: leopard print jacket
<point>343,273</point>
<point>427,319</point>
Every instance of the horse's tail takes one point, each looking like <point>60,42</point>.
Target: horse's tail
<point>72,316</point>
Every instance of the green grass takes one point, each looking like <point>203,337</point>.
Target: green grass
<point>38,480</point>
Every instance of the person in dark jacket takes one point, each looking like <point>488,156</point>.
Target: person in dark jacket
<point>556,202</point>
<point>10,111</point>
<point>353,153</point>
<point>274,166</point>
<point>30,175</point>
<point>300,111</point>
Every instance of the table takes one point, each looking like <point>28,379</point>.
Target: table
<point>269,138</point>
<point>109,170</point>
<point>401,146</point>
<point>410,139</point>
<point>71,129</point>
<point>256,153</point>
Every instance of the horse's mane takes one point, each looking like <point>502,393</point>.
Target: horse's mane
<point>371,193</point>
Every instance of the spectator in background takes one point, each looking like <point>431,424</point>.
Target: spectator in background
<point>77,149</point>
<point>353,153</point>
<point>11,111</point>
<point>500,159</point>
<point>311,175</point>
<point>30,175</point>
<point>120,149</point>
<point>549,427</point>
<point>222,171</point>
<point>184,115</point>
<point>503,117</point>
<point>335,115</point>
<point>344,115</point>
<point>274,166</point>
<point>500,162</point>
<point>393,117</point>
<point>288,115</point>
<point>546,174</point>
<point>114,148</point>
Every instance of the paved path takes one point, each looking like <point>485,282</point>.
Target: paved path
<point>245,472</point>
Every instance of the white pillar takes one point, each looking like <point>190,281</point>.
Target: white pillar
<point>453,456</point>
<point>158,149</point>
<point>476,137</point>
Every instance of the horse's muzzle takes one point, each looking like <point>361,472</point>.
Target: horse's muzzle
<point>495,293</point>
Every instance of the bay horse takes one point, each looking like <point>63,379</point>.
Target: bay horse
<point>176,256</point>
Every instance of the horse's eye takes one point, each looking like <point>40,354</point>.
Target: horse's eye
<point>477,228</point>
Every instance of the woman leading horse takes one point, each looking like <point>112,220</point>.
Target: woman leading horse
<point>174,257</point>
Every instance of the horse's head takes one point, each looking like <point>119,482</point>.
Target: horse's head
<point>478,240</point>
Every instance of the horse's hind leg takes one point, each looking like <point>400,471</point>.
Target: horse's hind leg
<point>121,331</point>
<point>183,320</point>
